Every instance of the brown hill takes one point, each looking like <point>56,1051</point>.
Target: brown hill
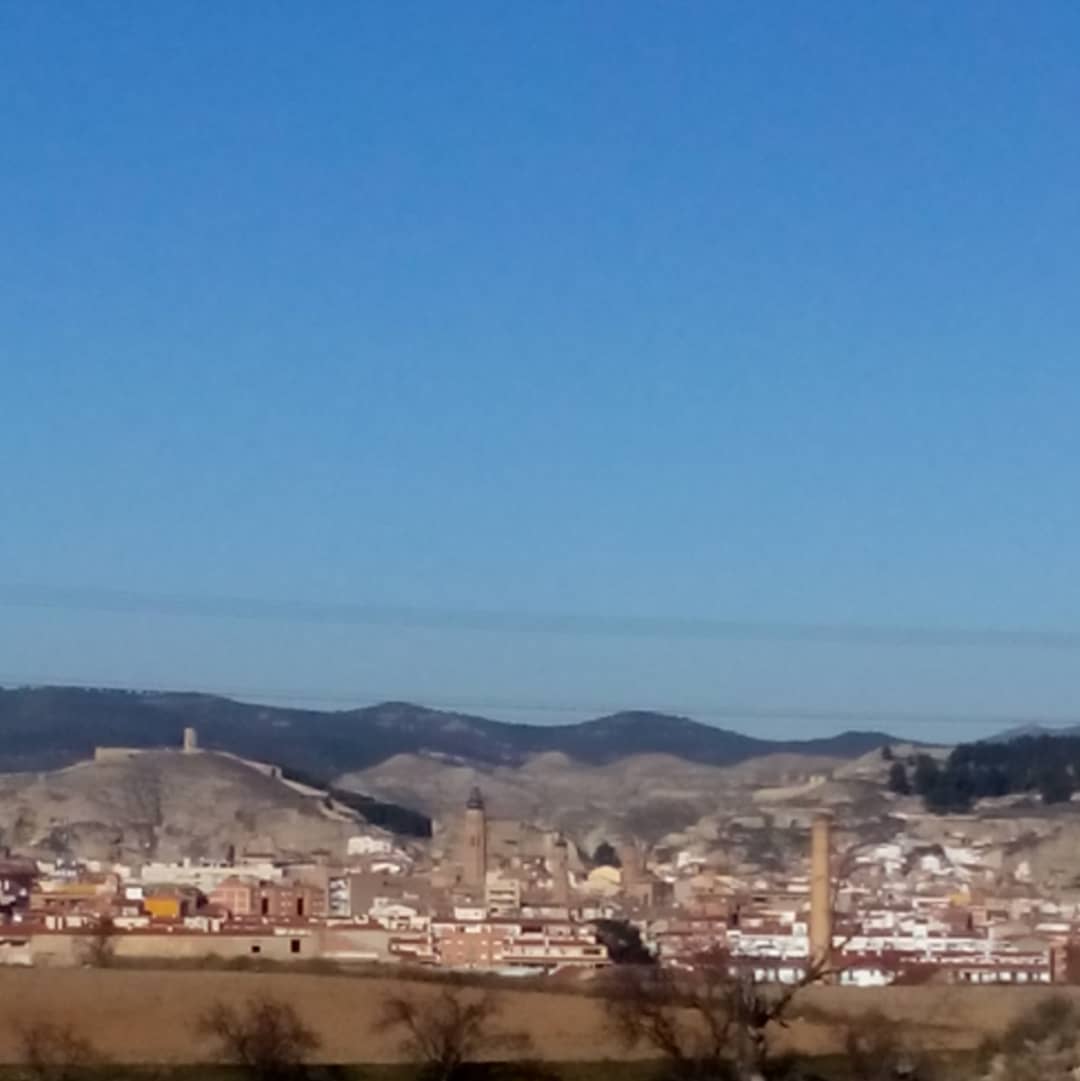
<point>642,797</point>
<point>165,805</point>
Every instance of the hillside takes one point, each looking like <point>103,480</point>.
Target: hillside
<point>165,805</point>
<point>47,727</point>
<point>654,800</point>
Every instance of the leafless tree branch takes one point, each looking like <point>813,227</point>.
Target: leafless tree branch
<point>99,947</point>
<point>444,1032</point>
<point>54,1051</point>
<point>266,1037</point>
<point>712,1022</point>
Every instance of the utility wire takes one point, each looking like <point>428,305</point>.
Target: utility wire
<point>131,602</point>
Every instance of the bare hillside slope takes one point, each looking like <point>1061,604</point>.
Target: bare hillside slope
<point>166,805</point>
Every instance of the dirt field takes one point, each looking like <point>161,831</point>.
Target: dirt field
<point>149,1016</point>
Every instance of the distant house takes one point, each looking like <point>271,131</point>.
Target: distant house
<point>284,901</point>
<point>235,895</point>
<point>170,902</point>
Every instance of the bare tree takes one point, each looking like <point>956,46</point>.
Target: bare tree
<point>1041,1045</point>
<point>877,1048</point>
<point>712,1022</point>
<point>99,947</point>
<point>715,1020</point>
<point>687,1021</point>
<point>25,826</point>
<point>51,1051</point>
<point>445,1032</point>
<point>144,804</point>
<point>266,1037</point>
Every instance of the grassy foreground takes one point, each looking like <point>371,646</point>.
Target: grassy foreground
<point>140,1016</point>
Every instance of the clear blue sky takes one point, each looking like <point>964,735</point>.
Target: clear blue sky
<point>734,311</point>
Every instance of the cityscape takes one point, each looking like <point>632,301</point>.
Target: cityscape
<point>536,541</point>
<point>481,907</point>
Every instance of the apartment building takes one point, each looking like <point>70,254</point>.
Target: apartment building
<point>470,939</point>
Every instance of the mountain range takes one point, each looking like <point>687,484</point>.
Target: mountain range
<point>50,727</point>
<point>666,783</point>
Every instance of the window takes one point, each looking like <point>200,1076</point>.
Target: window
<point>256,949</point>
<point>294,945</point>
<point>299,906</point>
<point>265,906</point>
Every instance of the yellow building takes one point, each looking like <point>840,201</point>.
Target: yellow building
<point>164,906</point>
<point>171,903</point>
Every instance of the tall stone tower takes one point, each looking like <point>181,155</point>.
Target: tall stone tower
<point>633,864</point>
<point>474,857</point>
<point>191,741</point>
<point>821,915</point>
<point>560,871</point>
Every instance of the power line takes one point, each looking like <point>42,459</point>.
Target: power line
<point>713,711</point>
<point>131,602</point>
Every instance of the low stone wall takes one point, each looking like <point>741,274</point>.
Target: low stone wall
<point>54,948</point>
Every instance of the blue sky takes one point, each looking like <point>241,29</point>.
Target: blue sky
<point>720,311</point>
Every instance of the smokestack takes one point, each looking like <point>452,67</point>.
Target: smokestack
<point>474,863</point>
<point>821,890</point>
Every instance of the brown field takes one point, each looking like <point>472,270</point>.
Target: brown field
<point>149,1016</point>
